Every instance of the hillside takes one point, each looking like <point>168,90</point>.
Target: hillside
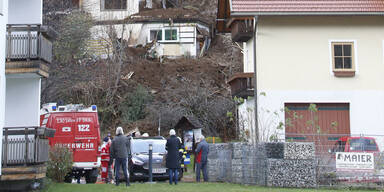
<point>147,90</point>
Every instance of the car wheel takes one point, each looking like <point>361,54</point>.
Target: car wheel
<point>181,173</point>
<point>91,176</point>
<point>68,178</point>
<point>131,177</point>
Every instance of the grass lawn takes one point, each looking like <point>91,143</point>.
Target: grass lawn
<point>165,187</point>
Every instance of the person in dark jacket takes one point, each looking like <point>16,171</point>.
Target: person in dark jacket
<point>119,151</point>
<point>173,161</point>
<point>202,150</point>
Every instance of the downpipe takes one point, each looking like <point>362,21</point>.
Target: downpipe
<point>257,134</point>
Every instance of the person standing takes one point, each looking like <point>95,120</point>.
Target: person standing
<point>110,164</point>
<point>202,151</point>
<point>119,151</point>
<point>106,172</point>
<point>173,162</point>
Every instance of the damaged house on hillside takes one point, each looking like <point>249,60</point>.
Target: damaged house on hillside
<point>173,32</point>
<point>162,27</point>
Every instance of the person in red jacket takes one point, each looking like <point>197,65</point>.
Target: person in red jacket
<point>106,161</point>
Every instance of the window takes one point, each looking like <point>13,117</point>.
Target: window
<point>343,59</point>
<point>363,144</point>
<point>155,34</point>
<point>170,34</point>
<point>163,35</point>
<point>114,4</point>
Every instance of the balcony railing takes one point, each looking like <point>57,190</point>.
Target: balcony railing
<point>242,30</point>
<point>25,145</point>
<point>242,85</point>
<point>28,42</point>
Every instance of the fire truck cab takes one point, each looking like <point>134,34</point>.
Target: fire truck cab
<point>77,127</point>
<point>356,144</point>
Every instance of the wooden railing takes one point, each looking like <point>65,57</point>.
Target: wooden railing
<point>242,30</point>
<point>25,145</point>
<point>27,42</point>
<point>242,85</point>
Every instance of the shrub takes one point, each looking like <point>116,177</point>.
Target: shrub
<point>59,164</point>
<point>133,107</point>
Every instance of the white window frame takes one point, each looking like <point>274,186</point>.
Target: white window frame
<point>177,34</point>
<point>355,54</point>
<point>163,34</point>
<point>154,29</point>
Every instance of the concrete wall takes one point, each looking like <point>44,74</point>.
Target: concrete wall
<point>246,121</point>
<point>25,12</point>
<point>94,8</point>
<point>248,57</point>
<point>294,65</point>
<point>3,22</point>
<point>22,100</point>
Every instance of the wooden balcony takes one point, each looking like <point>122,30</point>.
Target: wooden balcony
<point>242,85</point>
<point>242,30</point>
<point>24,152</point>
<point>28,49</point>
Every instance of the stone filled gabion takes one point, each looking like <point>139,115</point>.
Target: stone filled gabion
<point>219,162</point>
<point>274,150</point>
<point>291,173</point>
<point>267,164</point>
<point>299,150</point>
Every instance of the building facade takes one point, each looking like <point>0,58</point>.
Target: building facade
<point>3,23</point>
<point>25,65</point>
<point>24,61</point>
<point>330,55</point>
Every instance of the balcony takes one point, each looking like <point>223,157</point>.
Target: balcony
<point>28,49</point>
<point>242,85</point>
<point>242,30</point>
<point>24,152</point>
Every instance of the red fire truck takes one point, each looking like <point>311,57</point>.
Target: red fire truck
<point>77,127</point>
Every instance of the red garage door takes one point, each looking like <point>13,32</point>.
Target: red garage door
<point>324,126</point>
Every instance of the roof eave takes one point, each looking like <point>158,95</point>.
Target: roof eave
<point>307,13</point>
<point>175,20</point>
<point>230,6</point>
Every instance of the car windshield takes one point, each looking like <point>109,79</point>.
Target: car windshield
<point>363,144</point>
<point>142,145</point>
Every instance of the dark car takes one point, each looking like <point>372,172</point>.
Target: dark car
<point>138,159</point>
